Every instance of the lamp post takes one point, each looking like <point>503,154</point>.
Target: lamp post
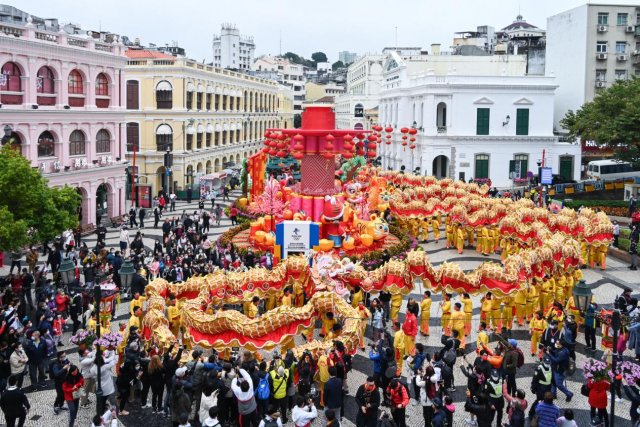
<point>126,273</point>
<point>67,271</point>
<point>8,130</point>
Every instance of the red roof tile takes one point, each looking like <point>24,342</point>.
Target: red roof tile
<point>147,54</point>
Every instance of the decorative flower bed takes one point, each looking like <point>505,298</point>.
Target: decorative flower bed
<point>110,340</point>
<point>83,338</point>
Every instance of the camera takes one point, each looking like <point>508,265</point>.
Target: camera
<point>314,393</point>
<point>235,353</point>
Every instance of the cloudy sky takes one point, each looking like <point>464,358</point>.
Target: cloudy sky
<point>302,26</point>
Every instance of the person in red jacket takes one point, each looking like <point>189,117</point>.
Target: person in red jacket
<point>62,303</point>
<point>57,325</point>
<point>410,329</point>
<point>71,388</point>
<point>598,391</point>
<point>399,399</point>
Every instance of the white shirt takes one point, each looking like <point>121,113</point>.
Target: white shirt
<point>616,229</point>
<point>278,421</point>
<point>242,395</point>
<point>302,416</point>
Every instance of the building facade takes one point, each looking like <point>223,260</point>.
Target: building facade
<point>472,126</point>
<point>315,91</point>
<point>347,57</point>
<point>232,50</point>
<point>588,49</point>
<point>285,72</point>
<point>364,78</point>
<point>206,117</point>
<point>63,97</point>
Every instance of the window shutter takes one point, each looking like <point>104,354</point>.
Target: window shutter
<point>133,137</point>
<point>523,169</point>
<point>482,121</point>
<point>132,95</point>
<point>522,121</point>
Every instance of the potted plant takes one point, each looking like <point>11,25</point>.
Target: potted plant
<point>83,339</point>
<point>110,341</point>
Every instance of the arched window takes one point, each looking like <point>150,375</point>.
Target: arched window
<point>164,95</point>
<point>76,83</point>
<point>77,143</point>
<point>164,138</point>
<point>103,141</point>
<point>10,81</point>
<point>102,85</point>
<point>358,110</point>
<point>46,145</point>
<point>46,81</point>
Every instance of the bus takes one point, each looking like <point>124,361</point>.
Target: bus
<point>610,170</point>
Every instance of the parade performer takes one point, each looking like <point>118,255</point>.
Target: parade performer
<point>450,234</point>
<point>322,374</point>
<point>356,297</point>
<point>483,339</point>
<point>435,227</point>
<point>365,315</point>
<point>457,323</point>
<point>136,301</point>
<point>410,329</point>
<point>396,302</point>
<point>252,311</point>
<point>173,315</point>
<point>508,308</point>
<point>547,293</point>
<point>425,313</point>
<point>328,320</point>
<point>485,308</point>
<point>496,313</point>
<point>398,344</point>
<point>425,229</point>
<point>520,301</point>
<point>533,298</point>
<point>468,312</point>
<point>445,305</point>
<point>536,328</point>
<point>460,238</point>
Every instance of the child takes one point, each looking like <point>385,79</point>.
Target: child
<point>449,409</point>
<point>58,323</point>
<point>184,420</point>
<point>567,419</point>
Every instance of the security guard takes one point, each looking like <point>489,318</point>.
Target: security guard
<point>541,382</point>
<point>494,388</point>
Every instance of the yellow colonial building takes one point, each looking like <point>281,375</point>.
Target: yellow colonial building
<point>206,117</point>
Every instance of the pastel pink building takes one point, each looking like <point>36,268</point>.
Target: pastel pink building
<point>62,100</point>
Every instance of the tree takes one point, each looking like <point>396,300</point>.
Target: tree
<point>611,120</point>
<point>31,211</point>
<point>270,201</point>
<point>336,65</point>
<point>319,57</point>
<point>296,59</point>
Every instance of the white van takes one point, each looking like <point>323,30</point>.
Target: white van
<point>610,170</point>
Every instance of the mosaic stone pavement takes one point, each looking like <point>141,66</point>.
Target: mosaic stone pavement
<point>606,285</point>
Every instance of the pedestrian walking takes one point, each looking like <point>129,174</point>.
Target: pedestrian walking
<point>142,213</point>
<point>14,404</point>
<point>71,387</point>
<point>132,217</point>
<point>632,205</point>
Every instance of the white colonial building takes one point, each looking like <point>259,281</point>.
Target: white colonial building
<point>480,126</point>
<point>364,78</point>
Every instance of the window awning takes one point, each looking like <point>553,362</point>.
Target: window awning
<point>164,129</point>
<point>209,128</point>
<point>200,129</point>
<point>190,87</point>
<point>209,89</point>
<point>190,130</point>
<point>164,86</point>
<point>200,88</point>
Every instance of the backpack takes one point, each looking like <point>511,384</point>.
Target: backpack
<point>520,358</point>
<point>270,423</point>
<point>449,356</point>
<point>517,416</point>
<point>263,391</point>
<point>571,367</point>
<point>430,389</point>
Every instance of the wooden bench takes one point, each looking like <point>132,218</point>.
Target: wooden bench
<point>87,229</point>
<point>117,221</point>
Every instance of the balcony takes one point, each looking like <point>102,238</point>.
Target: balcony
<point>601,56</point>
<point>442,130</point>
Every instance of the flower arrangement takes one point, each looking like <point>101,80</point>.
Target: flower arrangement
<point>630,371</point>
<point>596,370</point>
<point>110,340</point>
<point>83,337</point>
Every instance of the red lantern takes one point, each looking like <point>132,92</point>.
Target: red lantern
<point>347,146</point>
<point>388,129</point>
<point>267,142</point>
<point>388,136</point>
<point>404,143</point>
<point>372,146</point>
<point>360,152</point>
<point>360,136</point>
<point>273,143</point>
<point>282,137</point>
<point>371,154</point>
<point>412,146</point>
<point>412,139</point>
<point>267,134</point>
<point>347,155</point>
<point>404,137</point>
<point>265,150</point>
<point>272,152</point>
<point>298,138</point>
<point>377,128</point>
<point>280,145</point>
<point>388,142</point>
<point>413,131</point>
<point>298,155</point>
<point>404,130</point>
<point>298,146</point>
<point>281,153</point>
<point>372,138</point>
<point>360,144</point>
<point>327,155</point>
<point>348,137</point>
<point>329,137</point>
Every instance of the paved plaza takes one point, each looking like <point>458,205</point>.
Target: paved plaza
<point>605,284</point>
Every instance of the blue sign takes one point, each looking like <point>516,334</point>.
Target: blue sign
<point>546,176</point>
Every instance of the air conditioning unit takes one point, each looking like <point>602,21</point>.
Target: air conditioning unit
<point>601,56</point>
<point>602,28</point>
<point>77,163</point>
<point>103,160</point>
<point>622,57</point>
<point>83,163</point>
<point>109,159</point>
<point>43,166</point>
<point>57,166</point>
<point>630,29</point>
<point>601,83</point>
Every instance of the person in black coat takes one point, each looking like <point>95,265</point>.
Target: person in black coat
<point>14,404</point>
<point>333,396</point>
<point>368,400</point>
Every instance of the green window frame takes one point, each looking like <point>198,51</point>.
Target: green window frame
<point>522,121</point>
<point>523,160</point>
<point>481,166</point>
<point>482,121</point>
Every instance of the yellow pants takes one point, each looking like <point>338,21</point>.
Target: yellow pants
<point>460,245</point>
<point>393,314</point>
<point>487,246</point>
<point>461,337</point>
<point>424,325</point>
<point>445,324</point>
<point>363,328</point>
<point>425,234</point>
<point>175,330</point>
<point>436,234</point>
<point>321,386</point>
<point>535,340</point>
<point>496,321</point>
<point>467,323</point>
<point>507,317</point>
<point>545,300</point>
<point>520,313</point>
<point>449,241</point>
<point>409,345</point>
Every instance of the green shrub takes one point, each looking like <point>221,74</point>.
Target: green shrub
<point>575,204</point>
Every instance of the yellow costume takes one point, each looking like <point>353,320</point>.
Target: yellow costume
<point>572,309</point>
<point>496,313</point>
<point>425,315</point>
<point>286,301</point>
<point>470,233</point>
<point>136,302</point>
<point>547,294</point>
<point>173,315</point>
<point>536,328</point>
<point>134,321</point>
<point>365,315</point>
<point>482,340</point>
<point>507,311</point>
<point>449,234</point>
<point>533,298</point>
<point>323,375</point>
<point>435,227</point>
<point>356,297</point>
<point>601,256</point>
<point>425,229</point>
<point>460,237</point>
<point>415,228</point>
<point>446,316</point>
<point>457,324</point>
<point>485,310</point>
<point>520,301</point>
<point>398,345</point>
<point>327,324</point>
<point>396,302</point>
<point>467,306</point>
<point>252,313</point>
<point>91,325</point>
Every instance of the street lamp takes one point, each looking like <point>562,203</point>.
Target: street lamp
<point>582,295</point>
<point>8,130</point>
<point>126,273</point>
<point>67,272</point>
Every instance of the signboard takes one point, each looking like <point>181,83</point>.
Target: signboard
<point>144,196</point>
<point>296,237</point>
<point>546,176</point>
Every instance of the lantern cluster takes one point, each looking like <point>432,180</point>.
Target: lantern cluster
<point>298,147</point>
<point>409,134</point>
<point>276,144</point>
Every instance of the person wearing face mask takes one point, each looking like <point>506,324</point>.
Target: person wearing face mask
<point>18,361</point>
<point>59,370</point>
<point>551,335</point>
<point>559,357</point>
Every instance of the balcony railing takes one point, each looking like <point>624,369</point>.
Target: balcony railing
<point>442,130</point>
